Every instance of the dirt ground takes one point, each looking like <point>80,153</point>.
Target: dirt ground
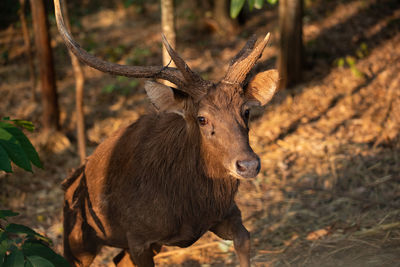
<point>329,190</point>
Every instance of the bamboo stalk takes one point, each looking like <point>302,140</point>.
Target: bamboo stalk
<point>28,48</point>
<point>79,83</point>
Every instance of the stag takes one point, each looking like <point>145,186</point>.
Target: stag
<point>172,175</point>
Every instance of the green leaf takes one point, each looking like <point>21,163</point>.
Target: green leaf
<point>122,78</point>
<point>109,88</point>
<point>128,3</point>
<point>134,83</point>
<point>259,4</point>
<point>251,4</point>
<point>14,150</point>
<point>236,6</point>
<point>340,62</point>
<point>31,248</point>
<point>7,213</point>
<point>350,60</point>
<point>356,72</point>
<point>14,259</point>
<point>5,123</point>
<point>2,256</point>
<point>22,229</point>
<point>37,261</point>
<point>272,2</point>
<point>4,245</point>
<point>25,144</point>
<point>3,249</point>
<point>27,125</point>
<point>5,163</point>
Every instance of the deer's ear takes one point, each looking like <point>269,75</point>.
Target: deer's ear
<point>164,98</point>
<point>263,86</point>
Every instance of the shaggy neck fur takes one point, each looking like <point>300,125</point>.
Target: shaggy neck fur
<point>164,163</point>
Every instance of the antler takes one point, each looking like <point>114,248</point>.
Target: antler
<point>245,60</point>
<point>190,76</point>
<point>183,77</point>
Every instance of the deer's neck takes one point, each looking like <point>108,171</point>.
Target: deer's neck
<point>180,165</point>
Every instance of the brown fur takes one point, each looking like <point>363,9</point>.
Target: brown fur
<point>164,180</point>
<point>136,180</point>
<point>172,176</point>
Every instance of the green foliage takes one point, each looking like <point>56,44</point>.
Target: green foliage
<point>115,53</point>
<point>90,43</point>
<point>350,61</point>
<point>362,51</point>
<point>138,56</point>
<point>16,147</point>
<point>19,244</point>
<point>128,3</point>
<point>124,86</point>
<point>340,62</point>
<point>4,55</point>
<point>22,246</point>
<point>237,5</point>
<point>7,213</point>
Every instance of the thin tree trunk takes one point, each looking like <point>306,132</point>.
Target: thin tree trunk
<point>291,42</point>
<point>28,48</point>
<point>121,7</point>
<point>168,26</point>
<point>168,29</point>
<point>51,112</point>
<point>226,25</point>
<point>79,84</point>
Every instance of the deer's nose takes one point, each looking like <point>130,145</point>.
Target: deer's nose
<point>248,168</point>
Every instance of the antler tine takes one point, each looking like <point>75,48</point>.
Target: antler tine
<point>166,73</point>
<point>246,50</point>
<point>245,60</point>
<point>190,76</point>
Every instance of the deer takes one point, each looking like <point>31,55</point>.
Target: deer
<point>172,175</point>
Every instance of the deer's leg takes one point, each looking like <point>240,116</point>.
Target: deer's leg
<point>81,244</point>
<point>123,259</point>
<point>141,257</point>
<point>232,228</point>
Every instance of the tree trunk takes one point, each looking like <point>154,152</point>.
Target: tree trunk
<point>168,29</point>
<point>79,84</point>
<point>51,112</point>
<point>28,48</point>
<point>226,25</point>
<point>291,42</point>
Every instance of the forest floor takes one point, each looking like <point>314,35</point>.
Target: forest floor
<point>329,190</point>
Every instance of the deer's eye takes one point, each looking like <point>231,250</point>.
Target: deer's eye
<point>202,120</point>
<point>246,114</point>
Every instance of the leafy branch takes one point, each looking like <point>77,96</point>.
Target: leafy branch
<point>237,5</point>
<point>22,246</point>
<point>19,244</point>
<point>15,146</point>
